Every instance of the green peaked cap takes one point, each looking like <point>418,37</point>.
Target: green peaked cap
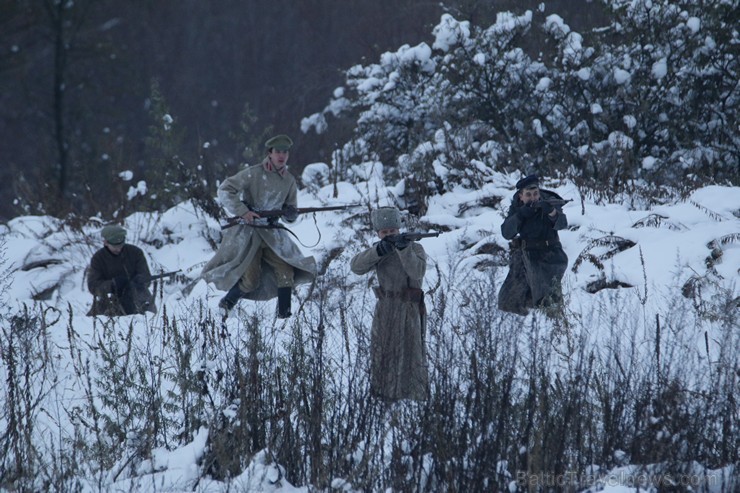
<point>279,143</point>
<point>114,234</point>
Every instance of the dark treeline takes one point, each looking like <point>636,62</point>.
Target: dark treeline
<point>85,85</point>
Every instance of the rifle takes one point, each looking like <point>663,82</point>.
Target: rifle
<point>410,236</point>
<point>165,274</point>
<point>553,202</point>
<point>276,213</point>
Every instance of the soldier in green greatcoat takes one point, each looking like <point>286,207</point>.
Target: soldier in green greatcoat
<point>257,259</point>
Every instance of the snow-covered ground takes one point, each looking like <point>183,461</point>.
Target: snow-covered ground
<point>663,248</point>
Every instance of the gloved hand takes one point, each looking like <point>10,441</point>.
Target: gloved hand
<point>290,213</point>
<point>119,284</point>
<point>401,244</point>
<point>384,247</point>
<point>546,206</point>
<point>526,211</point>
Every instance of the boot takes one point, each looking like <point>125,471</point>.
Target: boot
<point>284,302</point>
<point>228,302</point>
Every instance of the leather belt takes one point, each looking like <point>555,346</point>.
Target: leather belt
<point>539,244</point>
<point>414,295</point>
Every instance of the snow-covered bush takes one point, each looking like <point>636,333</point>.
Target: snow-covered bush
<point>649,99</point>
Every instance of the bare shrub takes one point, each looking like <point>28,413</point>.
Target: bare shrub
<point>515,401</point>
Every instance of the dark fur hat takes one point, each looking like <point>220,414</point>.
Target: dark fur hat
<point>530,181</point>
<point>386,218</point>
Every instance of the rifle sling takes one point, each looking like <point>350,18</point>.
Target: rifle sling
<point>270,226</point>
<point>279,226</point>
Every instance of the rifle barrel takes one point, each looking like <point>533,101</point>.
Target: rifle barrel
<point>305,210</point>
<point>233,221</point>
<point>165,274</point>
<point>411,236</point>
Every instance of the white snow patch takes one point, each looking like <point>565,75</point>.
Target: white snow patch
<point>660,68</point>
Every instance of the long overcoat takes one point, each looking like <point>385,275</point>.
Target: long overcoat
<point>262,189</point>
<point>398,361</point>
<point>130,264</point>
<point>537,260</point>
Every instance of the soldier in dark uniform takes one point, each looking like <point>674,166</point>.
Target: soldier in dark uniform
<point>538,262</point>
<point>119,277</point>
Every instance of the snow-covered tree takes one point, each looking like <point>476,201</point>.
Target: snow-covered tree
<point>666,93</point>
<point>649,99</point>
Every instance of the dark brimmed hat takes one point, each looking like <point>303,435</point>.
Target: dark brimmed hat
<point>530,181</point>
<point>114,234</point>
<point>279,143</point>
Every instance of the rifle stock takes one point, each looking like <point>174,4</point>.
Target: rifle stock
<point>276,213</point>
<point>165,274</point>
<point>554,202</point>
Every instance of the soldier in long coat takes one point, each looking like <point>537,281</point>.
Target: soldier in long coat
<point>119,277</point>
<point>537,262</point>
<point>257,259</point>
<point>398,362</point>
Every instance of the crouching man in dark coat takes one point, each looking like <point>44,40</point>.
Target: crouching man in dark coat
<point>398,361</point>
<point>538,262</point>
<point>119,277</point>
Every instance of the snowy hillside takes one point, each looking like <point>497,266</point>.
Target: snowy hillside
<point>631,273</point>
